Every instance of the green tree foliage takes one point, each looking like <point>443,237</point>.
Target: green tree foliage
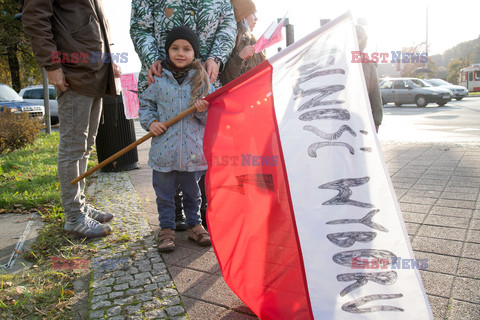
<point>447,65</point>
<point>408,69</point>
<point>18,67</point>
<point>454,67</point>
<point>468,50</point>
<point>462,55</point>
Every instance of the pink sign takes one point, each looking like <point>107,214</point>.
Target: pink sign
<point>129,95</point>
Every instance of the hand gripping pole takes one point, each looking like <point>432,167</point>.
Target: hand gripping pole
<point>132,145</point>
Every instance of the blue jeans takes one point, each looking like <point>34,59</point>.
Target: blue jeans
<point>165,185</point>
<point>79,117</point>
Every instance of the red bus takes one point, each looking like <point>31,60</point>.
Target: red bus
<point>470,77</point>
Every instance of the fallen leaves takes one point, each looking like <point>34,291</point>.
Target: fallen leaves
<point>21,289</point>
<point>69,293</point>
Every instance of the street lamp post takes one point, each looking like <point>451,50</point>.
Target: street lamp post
<point>426,41</point>
<point>289,32</point>
<point>46,102</point>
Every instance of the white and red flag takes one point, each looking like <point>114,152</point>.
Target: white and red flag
<point>272,35</point>
<point>301,210</point>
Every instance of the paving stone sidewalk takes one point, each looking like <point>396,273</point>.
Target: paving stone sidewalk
<point>130,278</point>
<point>438,191</point>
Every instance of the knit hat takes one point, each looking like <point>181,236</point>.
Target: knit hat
<point>185,33</point>
<point>243,8</point>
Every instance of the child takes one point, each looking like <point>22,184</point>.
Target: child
<point>176,155</point>
<point>243,57</point>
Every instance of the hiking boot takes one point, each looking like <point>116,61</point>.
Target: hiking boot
<point>203,215</point>
<point>96,214</point>
<point>180,224</point>
<point>86,227</point>
<point>199,235</point>
<point>166,240</point>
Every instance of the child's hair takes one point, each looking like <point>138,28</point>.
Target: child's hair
<point>200,82</point>
<point>245,36</point>
<point>243,32</point>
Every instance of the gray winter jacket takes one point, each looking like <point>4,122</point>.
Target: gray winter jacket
<point>180,148</point>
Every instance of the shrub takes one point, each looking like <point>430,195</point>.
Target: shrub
<point>17,130</point>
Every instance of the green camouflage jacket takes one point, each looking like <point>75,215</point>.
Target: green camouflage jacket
<point>151,20</point>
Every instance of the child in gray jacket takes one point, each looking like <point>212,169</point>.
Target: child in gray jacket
<point>176,155</point>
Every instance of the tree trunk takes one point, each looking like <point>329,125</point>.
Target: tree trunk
<point>14,67</point>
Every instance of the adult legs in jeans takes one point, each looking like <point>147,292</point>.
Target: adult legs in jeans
<point>79,117</point>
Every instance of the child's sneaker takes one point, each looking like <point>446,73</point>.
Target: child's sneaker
<point>166,240</point>
<point>96,214</point>
<point>199,235</point>
<point>86,227</point>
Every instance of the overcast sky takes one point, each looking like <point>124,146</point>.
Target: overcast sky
<point>391,25</point>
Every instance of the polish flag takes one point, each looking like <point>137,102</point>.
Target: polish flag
<point>301,210</point>
<point>272,35</point>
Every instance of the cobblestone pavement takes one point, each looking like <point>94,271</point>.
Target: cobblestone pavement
<point>130,279</point>
<point>438,189</point>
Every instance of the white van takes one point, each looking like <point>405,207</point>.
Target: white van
<point>34,94</point>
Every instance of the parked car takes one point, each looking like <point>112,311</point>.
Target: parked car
<point>9,99</point>
<point>459,92</point>
<point>34,94</point>
<point>412,90</point>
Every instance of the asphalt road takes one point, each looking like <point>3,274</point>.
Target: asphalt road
<point>458,122</point>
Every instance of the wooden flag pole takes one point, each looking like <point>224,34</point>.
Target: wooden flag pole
<point>132,145</point>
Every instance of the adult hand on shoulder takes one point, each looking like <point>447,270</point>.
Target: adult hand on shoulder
<point>57,78</point>
<point>212,69</point>
<point>155,70</point>
<point>246,52</point>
